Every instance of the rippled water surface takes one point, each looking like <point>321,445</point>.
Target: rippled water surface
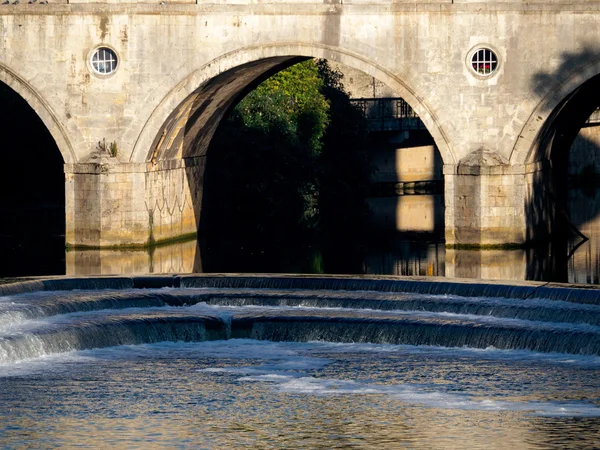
<point>299,368</point>
<point>250,394</point>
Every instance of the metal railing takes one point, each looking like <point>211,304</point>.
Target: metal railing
<point>388,114</point>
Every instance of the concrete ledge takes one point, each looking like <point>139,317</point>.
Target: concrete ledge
<point>184,7</point>
<point>424,285</point>
<point>133,245</point>
<point>115,166</point>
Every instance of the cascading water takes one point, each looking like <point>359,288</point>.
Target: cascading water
<point>431,324</point>
<point>287,314</point>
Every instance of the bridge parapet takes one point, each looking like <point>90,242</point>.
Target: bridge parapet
<point>389,6</point>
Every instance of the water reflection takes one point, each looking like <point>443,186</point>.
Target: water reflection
<point>181,257</point>
<point>487,264</point>
<point>405,238</point>
<point>584,265</point>
<point>406,257</point>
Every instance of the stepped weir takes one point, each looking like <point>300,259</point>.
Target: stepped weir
<point>103,312</point>
<point>288,361</point>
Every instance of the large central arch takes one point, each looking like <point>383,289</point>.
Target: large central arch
<point>201,99</point>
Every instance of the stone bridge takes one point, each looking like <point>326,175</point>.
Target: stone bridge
<point>132,93</point>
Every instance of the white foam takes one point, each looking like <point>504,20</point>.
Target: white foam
<point>227,311</point>
<point>437,399</point>
<point>289,368</point>
<point>270,377</point>
<point>300,382</point>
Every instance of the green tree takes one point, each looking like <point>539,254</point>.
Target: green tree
<point>290,100</point>
<point>261,166</point>
<point>285,162</point>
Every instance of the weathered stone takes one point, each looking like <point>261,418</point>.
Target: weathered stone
<point>183,65</point>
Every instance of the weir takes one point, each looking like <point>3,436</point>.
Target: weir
<point>49,316</point>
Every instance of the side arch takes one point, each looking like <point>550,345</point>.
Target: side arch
<point>274,56</point>
<point>576,71</point>
<point>42,108</point>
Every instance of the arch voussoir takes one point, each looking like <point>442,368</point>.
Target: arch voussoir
<point>254,55</point>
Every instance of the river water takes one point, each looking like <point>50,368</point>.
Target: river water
<point>324,367</point>
<point>287,366</point>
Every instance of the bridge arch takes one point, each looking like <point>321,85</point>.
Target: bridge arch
<point>566,97</point>
<point>42,108</point>
<point>576,78</point>
<point>200,100</point>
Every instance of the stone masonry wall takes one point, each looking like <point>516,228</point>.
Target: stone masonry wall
<point>114,204</point>
<point>420,49</point>
<point>487,201</point>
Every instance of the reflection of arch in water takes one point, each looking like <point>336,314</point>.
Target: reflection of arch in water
<point>186,119</point>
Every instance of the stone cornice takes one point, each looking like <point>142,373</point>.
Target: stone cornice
<point>61,7</point>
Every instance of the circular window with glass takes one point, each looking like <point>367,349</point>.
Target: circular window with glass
<point>104,61</point>
<point>484,61</point>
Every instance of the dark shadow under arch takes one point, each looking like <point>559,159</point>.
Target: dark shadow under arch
<point>562,126</point>
<point>292,251</point>
<point>547,208</point>
<point>32,192</point>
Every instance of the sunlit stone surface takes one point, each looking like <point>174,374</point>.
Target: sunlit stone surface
<point>183,257</point>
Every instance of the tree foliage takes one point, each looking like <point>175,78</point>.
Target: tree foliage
<point>292,101</point>
<point>288,160</point>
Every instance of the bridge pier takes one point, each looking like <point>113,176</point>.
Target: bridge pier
<point>485,202</point>
<point>110,203</point>
<point>116,204</point>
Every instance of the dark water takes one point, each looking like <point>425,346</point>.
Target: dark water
<point>405,238</point>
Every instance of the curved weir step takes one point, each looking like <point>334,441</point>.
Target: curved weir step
<point>418,331</point>
<point>573,293</point>
<point>109,332</point>
<point>535,309</point>
<point>36,323</point>
<point>404,285</point>
<point>99,330</point>
<point>45,304</point>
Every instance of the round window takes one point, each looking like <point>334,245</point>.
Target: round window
<point>104,61</point>
<point>484,61</point>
